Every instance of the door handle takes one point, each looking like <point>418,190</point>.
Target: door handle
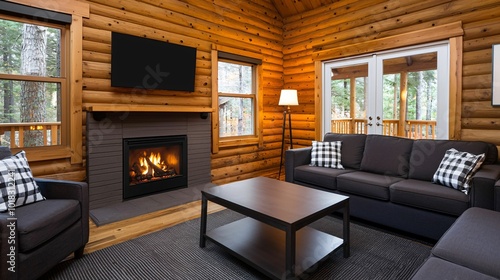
<point>369,123</point>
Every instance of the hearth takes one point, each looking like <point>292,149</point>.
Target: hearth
<point>154,164</point>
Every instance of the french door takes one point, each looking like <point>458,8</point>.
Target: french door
<point>402,92</point>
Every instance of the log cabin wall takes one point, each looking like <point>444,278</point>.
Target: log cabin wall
<point>242,25</point>
<point>287,46</point>
<point>356,21</point>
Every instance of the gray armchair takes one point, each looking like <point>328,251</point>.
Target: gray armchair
<point>47,231</point>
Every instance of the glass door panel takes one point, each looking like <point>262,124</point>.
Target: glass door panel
<point>409,93</point>
<point>346,96</point>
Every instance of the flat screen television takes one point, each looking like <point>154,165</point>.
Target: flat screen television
<point>144,63</point>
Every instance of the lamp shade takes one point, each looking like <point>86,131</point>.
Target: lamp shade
<point>288,97</point>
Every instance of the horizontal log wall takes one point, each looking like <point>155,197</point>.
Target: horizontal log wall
<point>287,45</point>
<point>200,24</point>
<point>354,21</point>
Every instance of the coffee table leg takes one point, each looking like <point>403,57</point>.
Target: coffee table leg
<point>290,253</point>
<point>203,226</point>
<point>346,220</point>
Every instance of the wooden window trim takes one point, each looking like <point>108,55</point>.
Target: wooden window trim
<point>73,149</point>
<point>452,32</point>
<point>227,142</point>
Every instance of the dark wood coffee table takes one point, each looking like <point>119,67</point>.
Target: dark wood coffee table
<point>274,237</point>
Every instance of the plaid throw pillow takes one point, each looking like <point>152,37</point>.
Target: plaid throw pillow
<point>456,169</point>
<point>17,185</point>
<point>326,154</point>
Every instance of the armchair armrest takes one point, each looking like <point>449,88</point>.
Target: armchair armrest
<point>9,247</point>
<point>294,158</point>
<point>62,189</point>
<point>496,199</point>
<point>483,185</point>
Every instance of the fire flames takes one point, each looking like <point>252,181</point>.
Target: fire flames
<point>153,167</point>
<point>155,160</point>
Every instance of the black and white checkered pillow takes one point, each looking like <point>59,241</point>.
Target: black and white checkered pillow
<point>17,185</point>
<point>456,169</point>
<point>326,154</point>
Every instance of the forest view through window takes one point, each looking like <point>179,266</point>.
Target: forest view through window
<point>236,99</point>
<point>421,104</point>
<point>32,83</point>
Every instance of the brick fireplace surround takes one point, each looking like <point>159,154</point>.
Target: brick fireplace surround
<point>105,133</point>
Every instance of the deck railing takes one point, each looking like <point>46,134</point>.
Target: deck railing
<point>12,134</point>
<point>414,129</point>
<point>421,129</point>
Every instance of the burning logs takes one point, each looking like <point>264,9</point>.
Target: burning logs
<point>149,168</point>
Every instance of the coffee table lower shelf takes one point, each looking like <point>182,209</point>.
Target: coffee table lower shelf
<point>263,246</point>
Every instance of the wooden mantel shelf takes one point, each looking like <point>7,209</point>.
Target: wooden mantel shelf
<point>145,108</point>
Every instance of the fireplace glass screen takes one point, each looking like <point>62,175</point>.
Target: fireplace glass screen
<point>154,164</point>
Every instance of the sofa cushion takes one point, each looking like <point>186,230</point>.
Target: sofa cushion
<point>366,184</point>
<point>319,176</point>
<point>4,152</point>
<point>456,169</point>
<point>426,155</point>
<point>473,241</point>
<point>17,185</point>
<point>39,222</point>
<point>438,269</point>
<point>387,155</point>
<point>429,196</point>
<point>326,154</point>
<point>353,146</point>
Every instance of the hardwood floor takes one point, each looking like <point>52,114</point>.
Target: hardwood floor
<point>114,233</point>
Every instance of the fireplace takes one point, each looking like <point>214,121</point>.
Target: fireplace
<point>154,164</point>
<point>105,154</point>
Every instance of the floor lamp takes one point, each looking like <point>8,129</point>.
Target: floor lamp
<point>288,97</point>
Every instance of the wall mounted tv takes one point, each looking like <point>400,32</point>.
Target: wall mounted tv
<point>144,63</point>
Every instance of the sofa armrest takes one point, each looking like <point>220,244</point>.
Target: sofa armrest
<point>294,158</point>
<point>483,185</point>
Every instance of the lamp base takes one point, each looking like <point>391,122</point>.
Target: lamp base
<point>285,113</point>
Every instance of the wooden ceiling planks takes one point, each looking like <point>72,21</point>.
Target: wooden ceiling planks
<point>288,8</point>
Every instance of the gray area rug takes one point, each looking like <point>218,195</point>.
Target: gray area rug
<point>174,253</point>
<point>148,204</point>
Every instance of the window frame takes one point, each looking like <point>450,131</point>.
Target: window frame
<point>62,79</point>
<point>252,96</point>
<point>73,147</point>
<point>235,141</point>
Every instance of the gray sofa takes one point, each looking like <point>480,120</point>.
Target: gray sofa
<point>470,249</point>
<point>388,180</point>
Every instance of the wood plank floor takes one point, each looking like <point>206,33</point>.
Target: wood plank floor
<point>114,233</point>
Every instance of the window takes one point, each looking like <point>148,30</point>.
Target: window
<point>237,98</point>
<point>33,85</point>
